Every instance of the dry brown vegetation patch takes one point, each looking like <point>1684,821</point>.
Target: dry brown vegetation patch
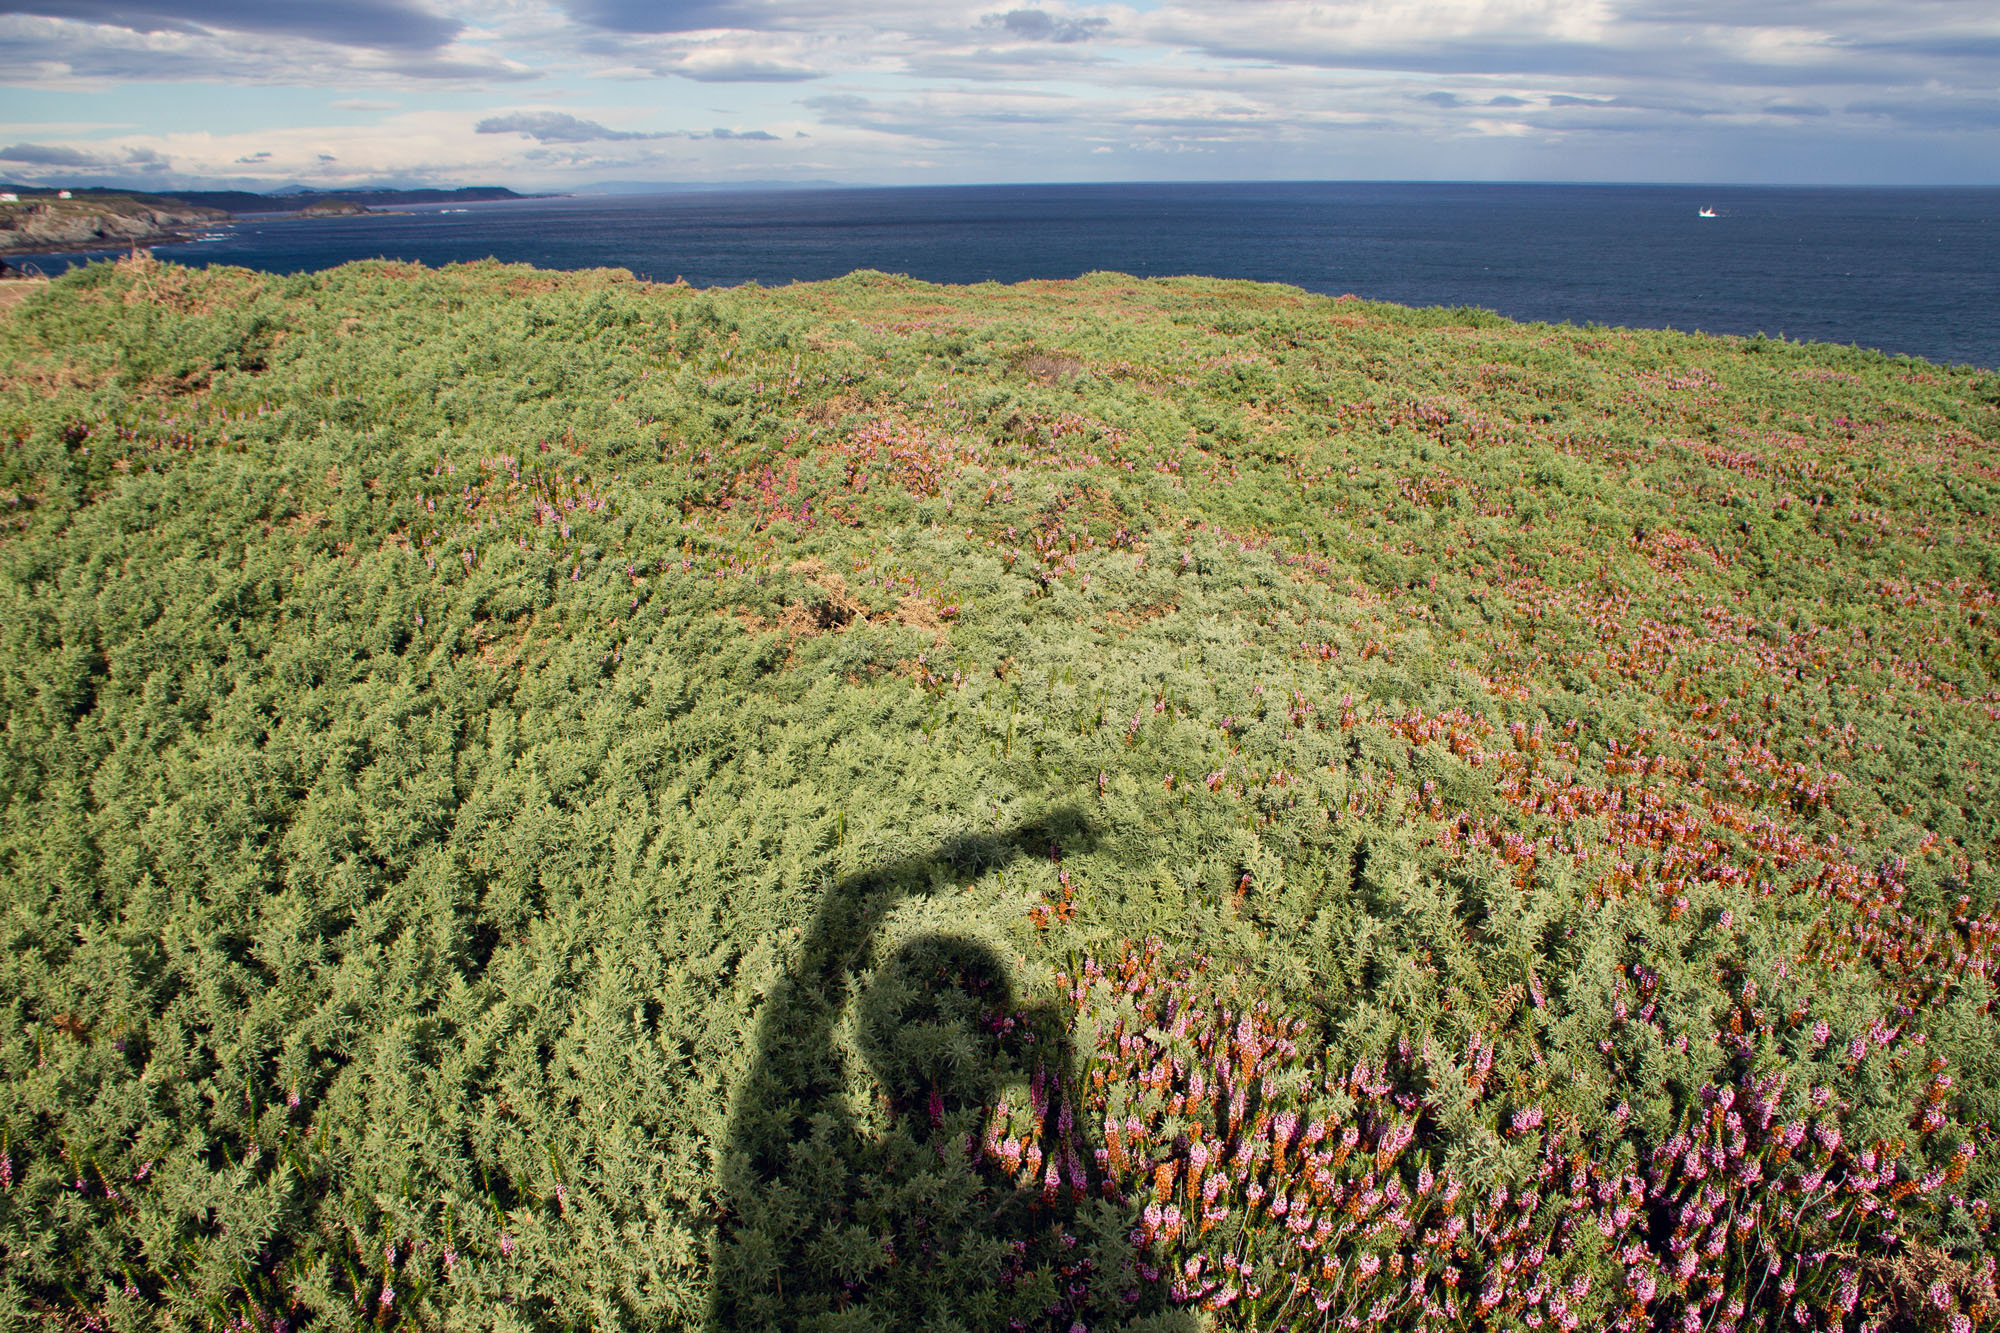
<point>1132,617</point>
<point>13,291</point>
<point>501,651</point>
<point>831,608</point>
<point>185,291</point>
<point>1051,368</point>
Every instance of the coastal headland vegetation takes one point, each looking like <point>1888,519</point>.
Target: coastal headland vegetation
<point>548,801</point>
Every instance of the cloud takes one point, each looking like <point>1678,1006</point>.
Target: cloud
<point>559,127</point>
<point>61,53</point>
<point>1941,114</point>
<point>555,127</point>
<point>733,62</point>
<point>62,155</point>
<point>722,57</point>
<point>1043,89</point>
<point>379,24</point>
<point>1038,25</point>
<point>1712,42</point>
<point>640,16</point>
<point>49,155</point>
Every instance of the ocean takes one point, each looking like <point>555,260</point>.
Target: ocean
<point>1909,271</point>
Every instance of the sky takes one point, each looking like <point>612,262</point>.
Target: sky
<point>574,94</point>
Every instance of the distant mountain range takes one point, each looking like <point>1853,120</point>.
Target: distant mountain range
<point>287,199</point>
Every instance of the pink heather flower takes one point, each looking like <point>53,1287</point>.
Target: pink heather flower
<point>388,1297</point>
<point>1939,1294</point>
<point>506,1244</point>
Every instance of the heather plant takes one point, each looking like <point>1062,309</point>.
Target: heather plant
<point>549,801</point>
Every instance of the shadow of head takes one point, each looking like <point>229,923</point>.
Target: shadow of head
<point>939,1027</point>
<point>1057,833</point>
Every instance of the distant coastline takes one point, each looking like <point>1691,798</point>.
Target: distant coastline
<point>48,220</point>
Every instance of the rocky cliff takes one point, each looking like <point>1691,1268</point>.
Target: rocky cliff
<point>47,223</point>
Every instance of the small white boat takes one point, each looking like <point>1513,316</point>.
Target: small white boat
<point>1706,212</point>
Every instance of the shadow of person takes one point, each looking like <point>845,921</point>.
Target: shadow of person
<point>869,1197</point>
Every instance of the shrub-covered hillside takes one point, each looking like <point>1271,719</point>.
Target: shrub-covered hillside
<point>552,802</point>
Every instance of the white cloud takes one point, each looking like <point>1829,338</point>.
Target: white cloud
<point>1013,89</point>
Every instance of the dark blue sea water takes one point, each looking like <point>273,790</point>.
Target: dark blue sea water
<point>1902,270</point>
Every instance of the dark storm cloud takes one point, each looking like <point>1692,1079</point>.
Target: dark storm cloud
<point>378,24</point>
<point>671,16</point>
<point>1038,25</point>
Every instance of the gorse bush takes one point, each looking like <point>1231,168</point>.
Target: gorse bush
<point>537,802</point>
